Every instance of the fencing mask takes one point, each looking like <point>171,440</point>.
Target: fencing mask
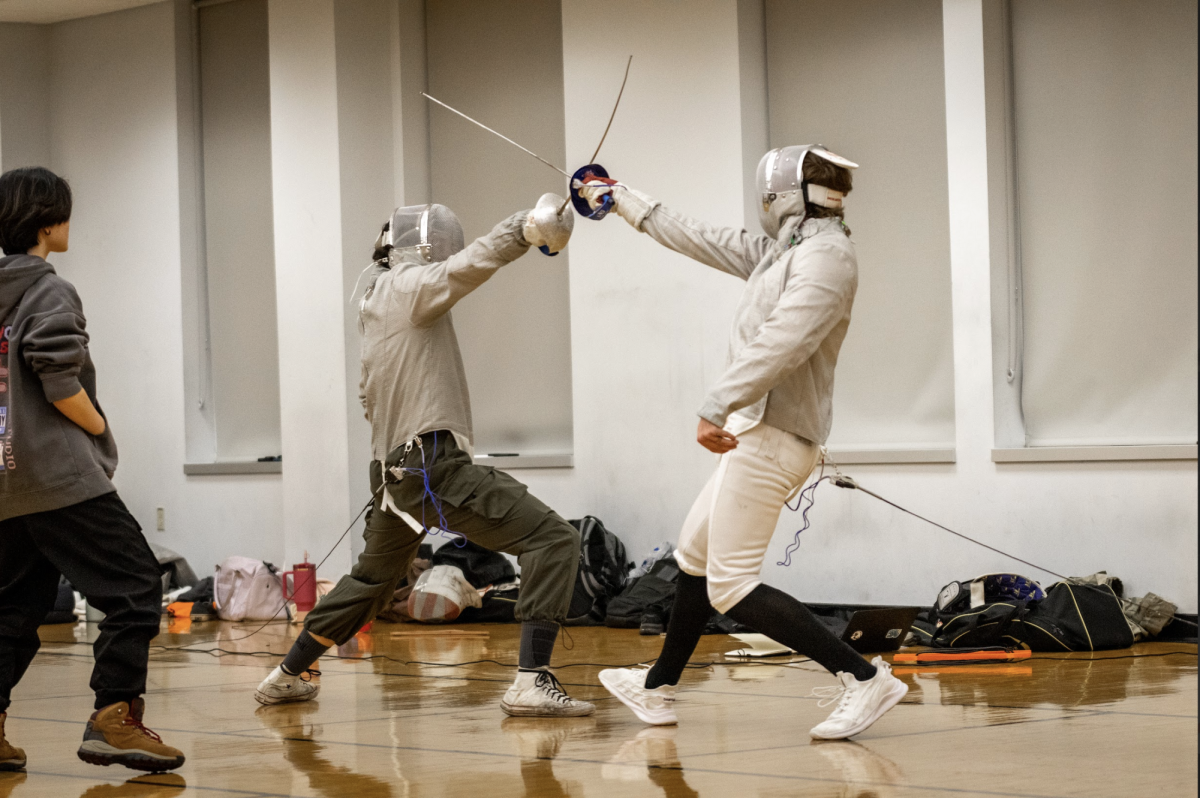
<point>783,189</point>
<point>431,231</point>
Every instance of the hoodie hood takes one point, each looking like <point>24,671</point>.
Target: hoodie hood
<point>17,273</point>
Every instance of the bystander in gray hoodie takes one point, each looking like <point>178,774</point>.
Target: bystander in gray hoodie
<point>46,461</point>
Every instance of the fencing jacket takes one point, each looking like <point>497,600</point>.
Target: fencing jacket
<point>790,322</point>
<point>413,379</point>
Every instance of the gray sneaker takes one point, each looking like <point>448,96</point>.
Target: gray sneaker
<point>283,688</point>
<point>538,693</point>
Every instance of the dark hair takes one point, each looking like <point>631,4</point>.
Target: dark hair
<point>825,173</point>
<point>31,198</point>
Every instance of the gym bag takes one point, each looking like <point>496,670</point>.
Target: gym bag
<point>603,566</point>
<point>1016,612</point>
<point>248,590</point>
<point>655,590</point>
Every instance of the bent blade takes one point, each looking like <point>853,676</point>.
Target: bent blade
<point>611,117</point>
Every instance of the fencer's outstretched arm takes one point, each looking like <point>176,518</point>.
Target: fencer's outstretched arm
<point>429,291</point>
<point>731,250</point>
<point>818,296</point>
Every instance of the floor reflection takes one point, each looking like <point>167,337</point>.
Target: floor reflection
<point>650,756</point>
<point>1070,682</point>
<point>10,781</point>
<point>292,724</point>
<point>159,785</point>
<point>866,774</point>
<point>537,742</point>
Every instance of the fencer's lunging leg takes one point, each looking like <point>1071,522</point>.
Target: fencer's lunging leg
<point>391,546</point>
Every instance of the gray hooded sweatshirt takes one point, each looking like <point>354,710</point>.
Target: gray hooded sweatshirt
<point>46,461</point>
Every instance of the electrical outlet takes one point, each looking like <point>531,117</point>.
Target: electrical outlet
<point>161,515</point>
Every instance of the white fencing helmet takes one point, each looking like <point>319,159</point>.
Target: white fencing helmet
<point>431,231</point>
<point>784,191</point>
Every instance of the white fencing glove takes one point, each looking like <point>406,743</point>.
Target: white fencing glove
<point>545,228</point>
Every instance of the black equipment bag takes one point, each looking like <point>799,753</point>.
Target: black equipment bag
<point>655,589</point>
<point>980,627</point>
<point>603,566</point>
<point>481,567</point>
<point>1076,617</point>
<point>1071,617</point>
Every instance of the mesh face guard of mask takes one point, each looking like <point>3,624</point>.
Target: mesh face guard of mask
<point>431,231</point>
<point>784,191</point>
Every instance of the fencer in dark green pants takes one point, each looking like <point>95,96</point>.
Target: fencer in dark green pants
<point>414,392</point>
<point>488,506</point>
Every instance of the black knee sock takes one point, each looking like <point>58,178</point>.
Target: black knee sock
<point>537,643</point>
<point>689,615</point>
<point>305,651</point>
<point>783,619</point>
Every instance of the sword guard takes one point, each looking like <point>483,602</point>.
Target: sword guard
<point>581,205</point>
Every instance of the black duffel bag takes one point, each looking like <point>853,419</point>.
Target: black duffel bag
<point>1076,617</point>
<point>655,589</point>
<point>1070,617</point>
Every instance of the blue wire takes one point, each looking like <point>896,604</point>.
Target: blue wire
<point>809,493</point>
<point>458,538</point>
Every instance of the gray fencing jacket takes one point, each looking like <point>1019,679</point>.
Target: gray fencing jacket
<point>790,323</point>
<point>413,379</point>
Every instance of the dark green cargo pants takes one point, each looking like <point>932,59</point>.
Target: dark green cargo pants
<point>488,506</point>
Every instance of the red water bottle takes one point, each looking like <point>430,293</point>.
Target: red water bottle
<point>304,585</point>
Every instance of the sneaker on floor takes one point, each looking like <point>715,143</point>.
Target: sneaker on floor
<point>656,707</point>
<point>283,688</point>
<point>11,757</point>
<point>116,735</point>
<point>537,693</point>
<point>859,703</point>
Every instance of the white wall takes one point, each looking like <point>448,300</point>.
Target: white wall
<point>24,90</point>
<point>112,133</point>
<point>885,110</point>
<point>514,331</point>
<point>239,245</point>
<point>309,277</point>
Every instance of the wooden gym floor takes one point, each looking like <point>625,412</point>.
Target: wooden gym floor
<point>1078,725</point>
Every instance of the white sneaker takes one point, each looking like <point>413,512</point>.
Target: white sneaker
<point>656,707</point>
<point>283,688</point>
<point>859,703</point>
<point>539,694</point>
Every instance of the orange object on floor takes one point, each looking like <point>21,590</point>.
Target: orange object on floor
<point>961,656</point>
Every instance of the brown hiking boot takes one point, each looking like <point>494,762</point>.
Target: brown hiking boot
<point>115,736</point>
<point>11,757</point>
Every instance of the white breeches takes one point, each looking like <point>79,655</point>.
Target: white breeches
<point>728,529</point>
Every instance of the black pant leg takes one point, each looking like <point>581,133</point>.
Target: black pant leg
<point>28,588</point>
<point>100,548</point>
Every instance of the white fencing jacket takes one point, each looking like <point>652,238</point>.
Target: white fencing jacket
<point>790,323</point>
